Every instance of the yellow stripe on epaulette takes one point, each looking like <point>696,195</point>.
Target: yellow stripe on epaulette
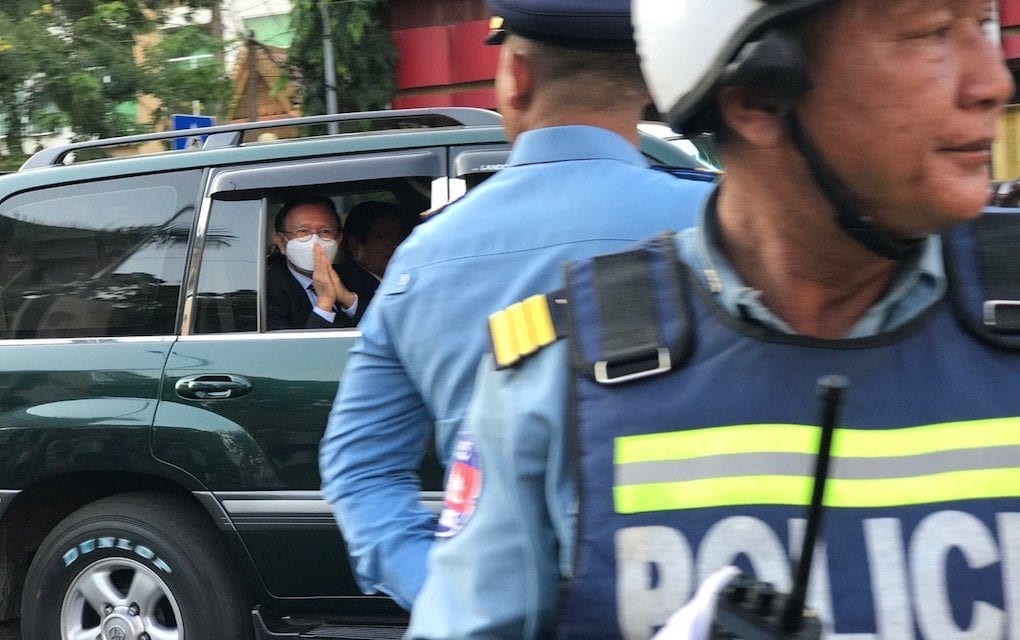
<point>520,330</point>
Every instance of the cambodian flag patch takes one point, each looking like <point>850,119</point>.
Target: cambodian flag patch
<point>463,485</point>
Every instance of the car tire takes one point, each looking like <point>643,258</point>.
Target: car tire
<point>145,562</point>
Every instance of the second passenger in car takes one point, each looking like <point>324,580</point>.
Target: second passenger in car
<point>371,235</point>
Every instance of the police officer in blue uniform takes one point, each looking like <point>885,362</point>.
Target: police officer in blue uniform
<point>571,95</point>
<point>658,445</point>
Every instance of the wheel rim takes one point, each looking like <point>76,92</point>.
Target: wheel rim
<point>120,599</point>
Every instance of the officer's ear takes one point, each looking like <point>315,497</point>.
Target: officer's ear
<point>758,89</point>
<point>758,119</point>
<point>523,78</point>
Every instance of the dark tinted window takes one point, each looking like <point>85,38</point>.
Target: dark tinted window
<point>228,280</point>
<point>104,258</point>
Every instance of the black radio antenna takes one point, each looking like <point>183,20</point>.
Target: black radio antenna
<point>751,609</point>
<point>831,391</point>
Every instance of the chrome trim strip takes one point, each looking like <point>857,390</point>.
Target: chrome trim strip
<point>98,340</point>
<point>246,503</point>
<point>304,334</point>
<point>215,509</point>
<point>190,284</point>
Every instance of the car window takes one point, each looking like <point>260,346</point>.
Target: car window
<point>98,259</point>
<point>226,299</point>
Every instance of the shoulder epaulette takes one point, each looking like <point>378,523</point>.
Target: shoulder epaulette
<point>525,327</point>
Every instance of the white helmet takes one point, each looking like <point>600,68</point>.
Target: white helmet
<point>689,48</point>
<point>687,45</point>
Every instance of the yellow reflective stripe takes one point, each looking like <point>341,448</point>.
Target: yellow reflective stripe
<point>521,329</point>
<point>792,438</point>
<point>522,334</point>
<point>540,320</point>
<point>795,490</point>
<point>504,347</point>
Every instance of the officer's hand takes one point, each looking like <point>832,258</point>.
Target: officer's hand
<point>693,621</point>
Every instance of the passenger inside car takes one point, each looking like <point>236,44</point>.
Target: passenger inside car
<point>303,289</point>
<point>373,231</point>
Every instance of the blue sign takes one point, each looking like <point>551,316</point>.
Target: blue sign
<point>183,122</point>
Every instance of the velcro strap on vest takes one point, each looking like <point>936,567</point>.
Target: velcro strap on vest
<point>633,320</point>
<point>629,329</point>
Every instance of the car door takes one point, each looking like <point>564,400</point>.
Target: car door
<point>242,408</point>
<point>90,277</point>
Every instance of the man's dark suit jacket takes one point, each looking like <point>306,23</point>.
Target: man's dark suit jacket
<point>358,279</point>
<point>288,306</point>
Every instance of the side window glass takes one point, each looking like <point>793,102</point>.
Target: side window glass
<point>375,216</point>
<point>97,259</point>
<point>228,278</point>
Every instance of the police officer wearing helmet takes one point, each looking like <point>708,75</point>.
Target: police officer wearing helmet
<point>633,460</point>
<point>571,94</point>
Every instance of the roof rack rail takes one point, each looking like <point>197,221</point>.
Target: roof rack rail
<point>231,135</point>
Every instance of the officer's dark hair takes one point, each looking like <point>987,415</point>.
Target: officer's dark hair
<point>362,218</point>
<point>596,78</point>
<point>323,201</point>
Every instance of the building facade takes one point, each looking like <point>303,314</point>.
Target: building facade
<point>1006,160</point>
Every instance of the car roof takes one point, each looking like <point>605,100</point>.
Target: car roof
<point>226,145</point>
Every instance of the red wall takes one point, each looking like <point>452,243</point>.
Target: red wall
<point>1009,18</point>
<point>1009,13</point>
<point>442,65</point>
<point>444,62</point>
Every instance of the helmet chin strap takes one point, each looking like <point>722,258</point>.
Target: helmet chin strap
<point>775,66</point>
<point>861,228</point>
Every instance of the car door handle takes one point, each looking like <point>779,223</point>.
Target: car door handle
<point>212,386</point>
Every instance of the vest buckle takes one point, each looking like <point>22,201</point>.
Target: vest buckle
<point>660,360</point>
<point>1002,315</point>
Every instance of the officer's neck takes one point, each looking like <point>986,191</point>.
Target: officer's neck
<point>783,240</point>
<point>621,121</point>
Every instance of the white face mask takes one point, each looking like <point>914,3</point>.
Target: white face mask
<point>300,253</point>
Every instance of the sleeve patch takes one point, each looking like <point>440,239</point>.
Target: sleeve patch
<point>463,486</point>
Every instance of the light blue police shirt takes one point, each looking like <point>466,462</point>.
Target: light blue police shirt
<point>567,192</point>
<point>499,576</point>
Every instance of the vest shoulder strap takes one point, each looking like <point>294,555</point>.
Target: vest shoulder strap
<point>629,312</point>
<point>630,304</point>
<point>982,262</point>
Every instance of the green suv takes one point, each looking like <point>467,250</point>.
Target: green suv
<point>158,447</point>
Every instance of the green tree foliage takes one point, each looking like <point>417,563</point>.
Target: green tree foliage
<point>364,54</point>
<point>73,63</point>
<point>177,83</point>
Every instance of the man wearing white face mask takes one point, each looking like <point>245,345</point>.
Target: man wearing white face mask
<point>303,289</point>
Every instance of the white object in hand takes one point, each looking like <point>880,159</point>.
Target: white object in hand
<point>693,621</point>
